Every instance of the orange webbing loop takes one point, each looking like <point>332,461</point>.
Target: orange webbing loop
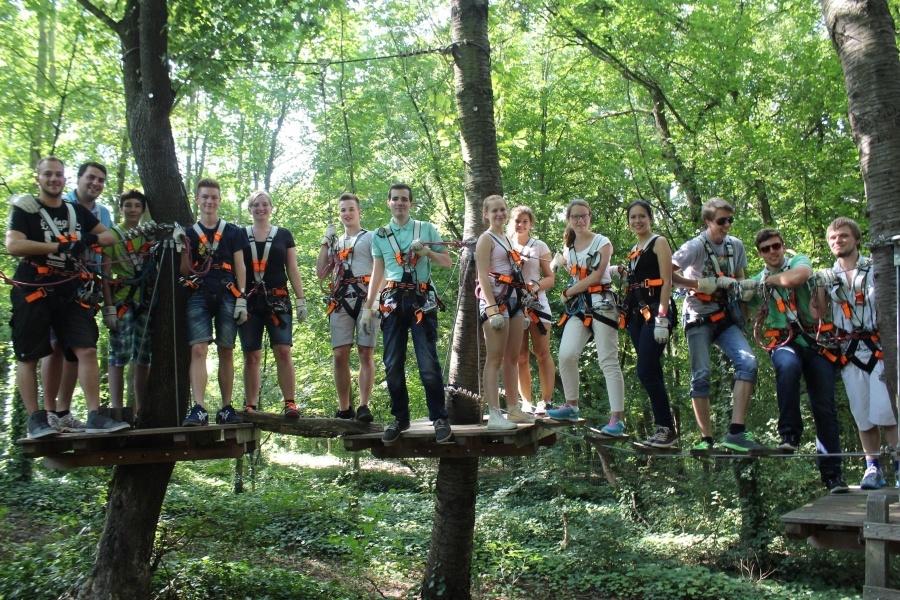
<point>717,316</point>
<point>36,295</point>
<point>234,290</point>
<point>259,266</point>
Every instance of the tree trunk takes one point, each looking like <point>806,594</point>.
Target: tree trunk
<point>448,570</point>
<point>864,37</point>
<point>122,569</point>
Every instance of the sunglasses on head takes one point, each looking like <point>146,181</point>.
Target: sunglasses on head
<point>722,220</point>
<point>766,249</point>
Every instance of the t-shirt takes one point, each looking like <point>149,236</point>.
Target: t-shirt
<point>382,248</point>
<point>275,274</point>
<point>694,262</point>
<point>124,264</point>
<point>35,228</point>
<point>100,212</point>
<point>360,259</point>
<point>591,262</point>
<point>777,319</point>
<point>234,239</point>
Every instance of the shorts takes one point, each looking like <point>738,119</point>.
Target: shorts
<point>132,340</point>
<point>542,305</point>
<point>343,326</point>
<point>200,321</point>
<point>31,323</point>
<point>510,311</point>
<point>870,402</point>
<point>251,332</point>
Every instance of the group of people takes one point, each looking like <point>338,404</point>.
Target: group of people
<point>245,281</point>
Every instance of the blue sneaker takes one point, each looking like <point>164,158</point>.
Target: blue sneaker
<point>614,428</point>
<point>873,479</point>
<point>564,413</point>
<point>228,416</point>
<point>198,417</point>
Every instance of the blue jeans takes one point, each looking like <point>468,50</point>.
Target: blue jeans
<point>200,316</point>
<point>793,361</point>
<point>395,329</point>
<point>649,368</point>
<point>733,344</point>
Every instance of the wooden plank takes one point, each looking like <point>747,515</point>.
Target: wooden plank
<point>306,427</point>
<point>877,552</point>
<point>836,539</point>
<point>878,593</point>
<point>140,456</point>
<point>884,532</point>
<point>435,450</point>
<point>839,510</point>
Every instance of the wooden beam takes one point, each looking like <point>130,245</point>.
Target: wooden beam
<point>312,428</point>
<point>877,551</point>
<point>142,456</point>
<point>877,593</point>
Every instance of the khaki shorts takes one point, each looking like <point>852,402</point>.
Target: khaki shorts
<point>343,327</point>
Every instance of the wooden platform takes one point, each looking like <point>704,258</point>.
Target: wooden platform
<point>836,521</point>
<point>142,446</point>
<point>467,441</point>
<point>312,428</point>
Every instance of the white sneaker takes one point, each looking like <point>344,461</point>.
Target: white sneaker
<point>496,422</point>
<point>527,407</point>
<point>517,415</point>
<point>70,424</point>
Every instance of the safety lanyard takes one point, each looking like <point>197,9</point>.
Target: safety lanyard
<point>259,266</point>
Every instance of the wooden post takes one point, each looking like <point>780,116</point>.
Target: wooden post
<point>877,552</point>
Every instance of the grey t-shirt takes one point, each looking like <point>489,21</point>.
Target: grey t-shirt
<point>694,262</point>
<point>361,257</point>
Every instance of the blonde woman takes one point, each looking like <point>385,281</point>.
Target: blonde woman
<point>590,311</point>
<point>538,275</point>
<point>501,294</point>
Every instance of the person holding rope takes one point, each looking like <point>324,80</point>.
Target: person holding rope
<point>348,259</point>
<point>127,295</point>
<point>53,288</point>
<point>59,376</point>
<point>590,310</point>
<point>212,268</point>
<point>849,287</point>
<point>649,315</point>
<point>271,262</point>
<point>401,283</point>
<point>712,263</point>
<point>538,273</point>
<point>795,338</point>
<point>503,296</point>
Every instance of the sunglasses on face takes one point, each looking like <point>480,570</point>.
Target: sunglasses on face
<point>722,220</point>
<point>766,249</point>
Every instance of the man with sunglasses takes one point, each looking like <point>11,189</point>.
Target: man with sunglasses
<point>712,264</point>
<point>794,338</point>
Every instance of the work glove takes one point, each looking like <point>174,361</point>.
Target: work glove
<point>558,262</point>
<point>111,317</point>
<point>497,321</point>
<point>300,309</point>
<point>90,239</point>
<point>707,285</point>
<point>75,248</point>
<point>749,288</point>
<point>26,202</point>
<point>365,320</point>
<point>419,247</point>
<point>725,283</point>
<point>330,235</point>
<point>180,237</point>
<point>661,330</point>
<point>826,277</point>
<point>240,311</point>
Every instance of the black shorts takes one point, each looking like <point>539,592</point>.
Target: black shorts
<point>74,325</point>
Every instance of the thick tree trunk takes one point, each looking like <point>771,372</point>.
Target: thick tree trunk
<point>448,571</point>
<point>123,569</point>
<point>864,37</point>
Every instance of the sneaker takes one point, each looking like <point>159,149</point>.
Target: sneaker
<point>527,407</point>
<point>496,422</point>
<point>393,431</point>
<point>442,432</point>
<point>345,414</point>
<point>517,415</point>
<point>790,442</point>
<point>564,413</point>
<point>615,428</point>
<point>703,446</point>
<point>38,426</point>
<point>53,420</point>
<point>363,414</point>
<point>836,484</point>
<point>198,417</point>
<point>228,416</point>
<point>741,442</point>
<point>873,479</point>
<point>290,411</point>
<point>70,424</point>
<point>541,408</point>
<point>98,423</point>
<point>665,437</point>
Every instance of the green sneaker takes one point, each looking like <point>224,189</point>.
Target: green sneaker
<point>703,446</point>
<point>741,442</point>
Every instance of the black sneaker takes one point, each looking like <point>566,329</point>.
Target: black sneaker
<point>345,414</point>
<point>665,437</point>
<point>363,414</point>
<point>98,423</point>
<point>228,416</point>
<point>836,484</point>
<point>38,426</point>
<point>790,442</point>
<point>198,417</point>
<point>393,431</point>
<point>442,433</point>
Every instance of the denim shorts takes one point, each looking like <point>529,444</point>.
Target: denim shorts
<point>200,320</point>
<point>251,332</point>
